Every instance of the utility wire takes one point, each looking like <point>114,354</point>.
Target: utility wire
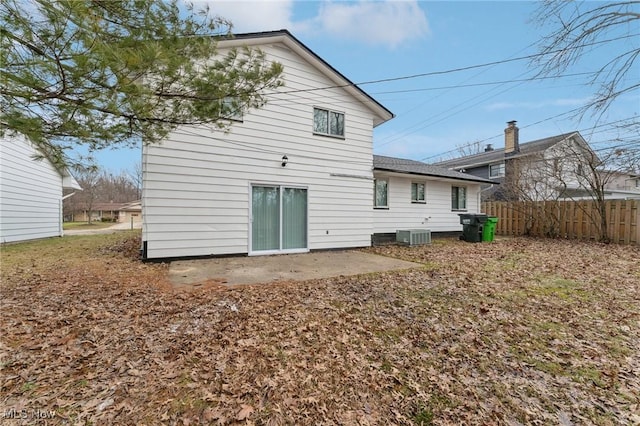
<point>454,70</point>
<point>524,127</point>
<point>489,83</point>
<point>293,101</point>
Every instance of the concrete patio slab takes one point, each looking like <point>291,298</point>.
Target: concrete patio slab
<point>289,267</point>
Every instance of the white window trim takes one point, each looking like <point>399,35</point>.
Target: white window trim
<point>375,181</point>
<point>250,251</point>
<point>329,111</point>
<point>424,193</point>
<point>466,193</point>
<point>501,174</point>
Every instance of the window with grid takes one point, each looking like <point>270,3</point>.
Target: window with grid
<point>496,170</point>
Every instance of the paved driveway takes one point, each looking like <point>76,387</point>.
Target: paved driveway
<point>264,269</point>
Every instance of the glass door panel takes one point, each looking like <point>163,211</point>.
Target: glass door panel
<point>265,226</point>
<point>294,218</point>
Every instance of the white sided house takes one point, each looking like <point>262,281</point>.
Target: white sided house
<point>293,176</point>
<point>30,192</point>
<point>413,195</point>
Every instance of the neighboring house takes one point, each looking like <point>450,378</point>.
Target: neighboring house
<point>293,176</point>
<point>623,181</point>
<point>618,186</point>
<point>543,169</point>
<point>131,212</point>
<point>30,192</point>
<point>112,212</point>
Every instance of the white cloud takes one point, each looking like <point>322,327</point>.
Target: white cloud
<point>253,15</point>
<point>387,23</point>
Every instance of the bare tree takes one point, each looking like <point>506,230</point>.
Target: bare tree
<point>100,187</point>
<point>135,175</point>
<point>577,29</point>
<point>569,171</point>
<point>88,178</point>
<point>469,149</point>
<point>533,186</point>
<point>597,172</point>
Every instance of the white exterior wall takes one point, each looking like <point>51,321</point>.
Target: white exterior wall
<point>196,196</point>
<point>563,165</point>
<point>435,214</point>
<point>30,193</point>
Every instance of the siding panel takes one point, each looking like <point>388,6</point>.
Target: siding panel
<point>197,182</point>
<point>435,214</point>
<point>30,193</point>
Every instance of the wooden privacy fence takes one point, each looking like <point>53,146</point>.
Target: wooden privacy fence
<point>567,219</point>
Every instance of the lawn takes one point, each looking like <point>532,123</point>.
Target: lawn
<point>520,331</point>
<point>86,225</point>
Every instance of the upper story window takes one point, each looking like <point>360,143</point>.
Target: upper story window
<point>496,170</point>
<point>230,109</point>
<point>329,123</point>
<point>417,192</point>
<point>381,193</point>
<point>458,198</point>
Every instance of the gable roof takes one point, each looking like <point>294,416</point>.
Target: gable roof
<point>382,114</point>
<point>497,155</point>
<point>402,165</point>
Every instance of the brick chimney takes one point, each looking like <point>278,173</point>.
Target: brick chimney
<point>511,143</point>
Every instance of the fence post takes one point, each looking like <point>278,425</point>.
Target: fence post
<point>636,204</point>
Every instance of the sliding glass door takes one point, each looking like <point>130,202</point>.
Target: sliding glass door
<point>278,218</point>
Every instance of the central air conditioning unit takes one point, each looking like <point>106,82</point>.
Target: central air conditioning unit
<point>413,237</point>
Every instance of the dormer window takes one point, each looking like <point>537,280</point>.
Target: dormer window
<point>496,170</point>
<point>328,123</point>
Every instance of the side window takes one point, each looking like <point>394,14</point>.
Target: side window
<point>417,192</point>
<point>381,193</point>
<point>230,109</point>
<point>496,170</point>
<point>458,198</point>
<point>328,123</point>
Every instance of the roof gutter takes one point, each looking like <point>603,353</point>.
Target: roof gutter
<point>478,180</point>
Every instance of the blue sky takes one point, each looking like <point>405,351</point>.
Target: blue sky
<point>373,40</point>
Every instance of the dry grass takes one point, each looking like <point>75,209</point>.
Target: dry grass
<point>518,331</point>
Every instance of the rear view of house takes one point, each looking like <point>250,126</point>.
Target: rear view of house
<point>293,176</point>
<point>30,192</point>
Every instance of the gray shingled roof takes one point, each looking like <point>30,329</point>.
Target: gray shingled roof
<point>402,165</point>
<point>497,155</point>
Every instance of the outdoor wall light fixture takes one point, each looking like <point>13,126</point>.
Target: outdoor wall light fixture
<point>285,160</point>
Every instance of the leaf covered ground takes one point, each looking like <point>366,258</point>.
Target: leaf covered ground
<point>520,331</point>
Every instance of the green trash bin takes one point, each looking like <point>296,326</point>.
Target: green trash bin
<point>489,228</point>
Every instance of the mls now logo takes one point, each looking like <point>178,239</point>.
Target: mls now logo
<point>15,414</point>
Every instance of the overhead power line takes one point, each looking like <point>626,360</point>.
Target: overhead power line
<point>454,70</point>
<point>489,83</point>
<point>285,101</point>
<point>524,127</point>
